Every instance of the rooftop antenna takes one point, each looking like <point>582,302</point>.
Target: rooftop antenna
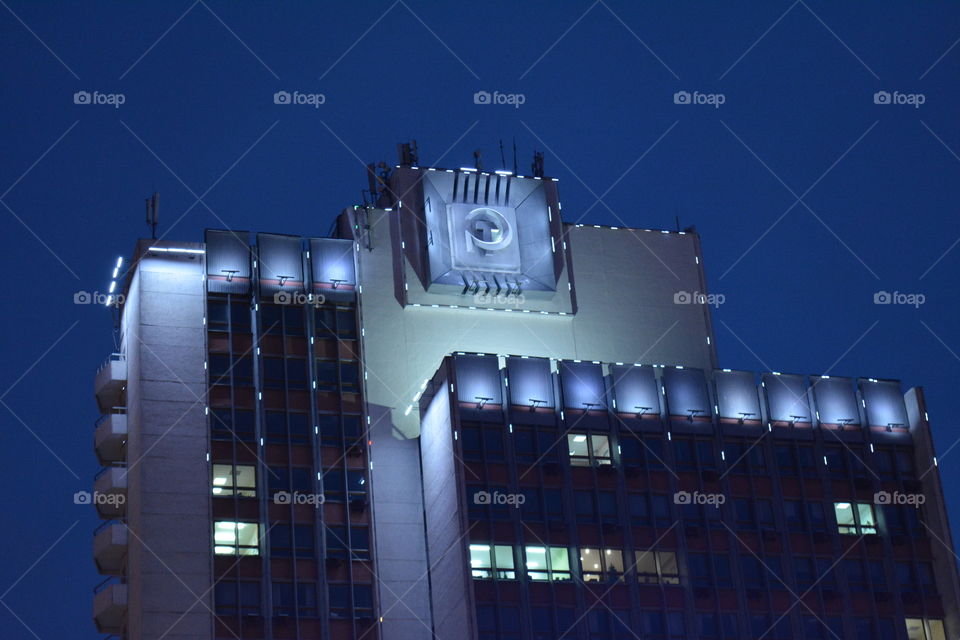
<point>153,213</point>
<point>477,163</point>
<point>503,161</point>
<point>537,166</point>
<point>515,156</point>
<point>407,151</point>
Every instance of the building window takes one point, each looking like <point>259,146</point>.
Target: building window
<point>232,538</point>
<point>231,597</point>
<point>929,629</point>
<point>855,518</point>
<point>492,561</point>
<point>548,563</point>
<point>305,602</point>
<point>350,376</point>
<point>588,449</point>
<point>239,480</point>
<point>657,567</point>
<point>357,546</point>
<point>291,541</point>
<point>227,425</point>
<point>601,564</point>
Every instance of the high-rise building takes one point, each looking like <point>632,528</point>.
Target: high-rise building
<point>460,417</point>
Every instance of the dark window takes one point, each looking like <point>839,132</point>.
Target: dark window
<point>217,316</point>
<point>291,540</point>
<point>327,375</point>
<point>350,376</point>
<point>793,511</point>
<point>786,461</point>
<point>271,319</point>
<point>231,597</point>
<point>584,506</point>
<point>638,508</point>
<point>273,369</point>
<point>296,373</point>
<point>346,324</point>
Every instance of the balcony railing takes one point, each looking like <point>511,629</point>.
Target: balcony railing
<point>103,470</point>
<point>113,357</point>
<point>114,411</point>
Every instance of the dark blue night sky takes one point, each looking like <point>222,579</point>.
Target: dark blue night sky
<point>810,196</point>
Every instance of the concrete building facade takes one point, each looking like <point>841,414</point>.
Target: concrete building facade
<point>311,438</point>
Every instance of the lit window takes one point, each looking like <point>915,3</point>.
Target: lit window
<point>929,629</point>
<point>236,538</point>
<point>855,518</point>
<point>657,567</point>
<point>489,561</point>
<point>548,563</point>
<point>588,449</point>
<point>605,564</point>
<point>229,480</point>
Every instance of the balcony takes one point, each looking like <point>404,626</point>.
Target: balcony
<point>110,606</point>
<point>110,491</point>
<point>111,381</point>
<point>110,436</point>
<point>110,547</point>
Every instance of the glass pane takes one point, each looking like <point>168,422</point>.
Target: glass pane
<point>577,443</point>
<point>914,629</point>
<point>668,567</point>
<point>613,560</point>
<point>646,566</point>
<point>590,563</point>
<point>247,536</point>
<point>601,446</point>
<point>225,533</point>
<point>222,480</point>
<point>245,481</point>
<point>480,560</point>
<point>866,515</point>
<point>936,630</point>
<point>537,563</point>
<point>503,556</point>
<point>844,513</point>
<point>559,559</point>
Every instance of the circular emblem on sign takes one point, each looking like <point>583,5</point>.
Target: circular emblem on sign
<point>488,229</point>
